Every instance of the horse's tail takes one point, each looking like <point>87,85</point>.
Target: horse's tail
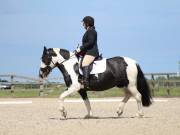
<point>143,88</point>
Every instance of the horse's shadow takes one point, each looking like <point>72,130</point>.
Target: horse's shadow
<point>96,117</point>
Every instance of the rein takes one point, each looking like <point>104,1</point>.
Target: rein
<point>63,60</point>
<point>69,57</point>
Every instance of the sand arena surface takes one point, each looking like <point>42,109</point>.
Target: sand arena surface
<point>41,117</point>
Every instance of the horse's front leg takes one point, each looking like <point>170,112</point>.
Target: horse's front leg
<point>88,107</point>
<point>72,89</point>
<point>85,98</point>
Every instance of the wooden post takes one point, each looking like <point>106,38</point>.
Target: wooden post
<point>152,84</point>
<point>41,86</point>
<point>41,92</point>
<point>168,85</point>
<point>12,84</point>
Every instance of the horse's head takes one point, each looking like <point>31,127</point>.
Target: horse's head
<point>48,62</point>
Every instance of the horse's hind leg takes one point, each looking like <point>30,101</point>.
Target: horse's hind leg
<point>135,93</point>
<point>123,102</point>
<point>85,98</point>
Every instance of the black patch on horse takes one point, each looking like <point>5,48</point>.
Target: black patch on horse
<point>67,77</point>
<point>76,68</point>
<point>52,52</point>
<point>115,75</point>
<point>47,55</point>
<point>65,54</point>
<point>83,94</point>
<point>121,76</point>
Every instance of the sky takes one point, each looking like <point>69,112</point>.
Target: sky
<point>147,31</point>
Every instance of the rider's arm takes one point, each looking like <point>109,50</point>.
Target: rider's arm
<point>90,42</point>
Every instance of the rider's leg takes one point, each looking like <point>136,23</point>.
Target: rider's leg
<point>88,59</point>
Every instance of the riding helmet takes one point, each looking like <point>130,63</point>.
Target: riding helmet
<point>88,20</point>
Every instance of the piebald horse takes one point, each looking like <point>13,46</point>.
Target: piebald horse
<point>121,72</point>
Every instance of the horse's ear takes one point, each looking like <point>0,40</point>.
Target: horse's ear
<point>45,50</point>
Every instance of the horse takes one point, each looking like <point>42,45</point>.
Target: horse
<point>121,72</point>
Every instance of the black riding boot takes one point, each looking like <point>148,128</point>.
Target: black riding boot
<point>86,73</point>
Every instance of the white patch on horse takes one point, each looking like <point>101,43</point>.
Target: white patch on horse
<point>132,87</point>
<point>131,70</point>
<point>57,58</point>
<point>43,65</point>
<point>70,69</point>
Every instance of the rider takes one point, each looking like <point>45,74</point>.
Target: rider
<point>89,48</point>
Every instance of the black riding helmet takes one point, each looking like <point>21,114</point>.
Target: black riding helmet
<point>89,21</point>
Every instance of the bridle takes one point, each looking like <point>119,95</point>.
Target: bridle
<point>49,68</point>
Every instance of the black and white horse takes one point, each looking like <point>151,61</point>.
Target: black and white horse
<point>120,72</point>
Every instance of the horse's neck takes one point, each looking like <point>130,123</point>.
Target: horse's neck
<point>71,61</point>
<point>67,69</point>
<point>71,54</point>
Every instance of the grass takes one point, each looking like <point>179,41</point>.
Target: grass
<point>19,93</point>
<point>162,92</point>
<point>55,92</point>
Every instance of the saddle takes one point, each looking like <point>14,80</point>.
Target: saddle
<point>98,65</point>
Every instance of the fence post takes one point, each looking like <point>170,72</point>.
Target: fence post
<point>12,84</point>
<point>168,85</point>
<point>152,84</point>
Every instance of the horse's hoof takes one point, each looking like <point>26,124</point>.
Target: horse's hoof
<point>87,116</point>
<point>119,113</point>
<point>139,115</point>
<point>63,113</point>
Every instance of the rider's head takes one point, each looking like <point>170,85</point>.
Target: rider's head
<point>88,21</point>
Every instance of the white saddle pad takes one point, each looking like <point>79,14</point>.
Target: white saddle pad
<point>98,67</point>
